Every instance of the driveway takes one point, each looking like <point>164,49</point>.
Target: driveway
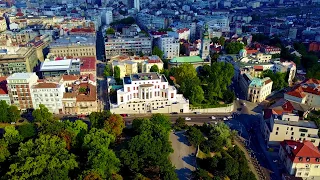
<point>183,157</point>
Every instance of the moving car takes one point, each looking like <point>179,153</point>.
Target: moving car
<point>229,117</point>
<point>188,119</point>
<point>197,112</point>
<point>212,117</point>
<point>225,119</point>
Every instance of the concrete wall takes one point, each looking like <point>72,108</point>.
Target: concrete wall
<point>215,110</point>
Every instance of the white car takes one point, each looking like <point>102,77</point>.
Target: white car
<point>225,119</point>
<point>212,117</point>
<point>188,119</point>
<point>229,117</point>
<point>237,99</point>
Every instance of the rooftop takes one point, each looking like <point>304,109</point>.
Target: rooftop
<point>71,40</point>
<point>17,76</point>
<point>300,123</point>
<point>145,76</point>
<point>301,152</point>
<point>186,59</point>
<point>311,86</point>
<point>56,65</point>
<point>46,85</point>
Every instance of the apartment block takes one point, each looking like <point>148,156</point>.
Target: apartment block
<point>127,45</point>
<point>17,60</point>
<point>301,159</point>
<point>19,89</point>
<point>60,67</point>
<point>288,126</point>
<point>148,92</point>
<point>74,45</point>
<point>169,46</point>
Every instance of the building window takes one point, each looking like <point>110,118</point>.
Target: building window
<point>276,133</point>
<point>292,133</point>
<point>277,128</point>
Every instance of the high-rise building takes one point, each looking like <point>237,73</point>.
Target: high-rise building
<point>136,4</point>
<point>169,46</point>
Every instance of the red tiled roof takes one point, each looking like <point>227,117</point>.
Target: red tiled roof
<point>311,86</point>
<point>46,85</point>
<point>3,85</point>
<point>88,64</point>
<point>299,152</point>
<point>70,78</point>
<point>298,92</point>
<point>258,68</point>
<point>251,51</point>
<point>182,30</point>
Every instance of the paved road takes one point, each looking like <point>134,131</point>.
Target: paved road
<point>183,157</point>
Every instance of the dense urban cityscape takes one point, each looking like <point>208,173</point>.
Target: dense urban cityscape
<point>160,90</point>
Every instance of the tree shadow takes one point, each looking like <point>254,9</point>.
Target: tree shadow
<point>182,138</point>
<point>184,173</point>
<point>190,159</point>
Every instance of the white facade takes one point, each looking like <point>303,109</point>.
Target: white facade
<point>286,67</point>
<point>136,4</point>
<point>107,16</point>
<point>48,94</point>
<point>289,127</point>
<point>169,46</point>
<point>148,93</point>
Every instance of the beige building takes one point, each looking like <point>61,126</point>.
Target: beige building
<point>135,64</point>
<point>288,127</point>
<point>301,159</point>
<point>19,89</point>
<point>80,97</point>
<point>17,60</point>
<point>255,89</point>
<point>3,24</point>
<point>74,46</point>
<point>308,93</point>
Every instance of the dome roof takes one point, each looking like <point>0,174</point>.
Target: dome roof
<point>243,51</point>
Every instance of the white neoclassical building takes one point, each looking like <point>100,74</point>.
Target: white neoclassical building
<point>49,94</point>
<point>148,93</point>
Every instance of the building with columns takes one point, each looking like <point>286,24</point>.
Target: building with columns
<point>148,93</point>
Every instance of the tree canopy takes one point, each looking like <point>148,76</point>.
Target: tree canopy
<point>157,51</point>
<point>114,125</point>
<point>107,71</point>
<point>116,74</point>
<point>43,158</point>
<point>234,47</point>
<point>154,68</point>
<point>278,78</point>
<point>8,113</point>
<point>110,31</point>
<point>42,114</point>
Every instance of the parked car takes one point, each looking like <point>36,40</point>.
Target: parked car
<point>174,113</point>
<point>13,123</point>
<point>237,99</point>
<point>197,112</point>
<point>229,117</point>
<point>225,119</point>
<point>212,117</point>
<point>188,119</point>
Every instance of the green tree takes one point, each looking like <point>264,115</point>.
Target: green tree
<point>222,41</point>
<point>5,153</point>
<point>214,57</point>
<point>27,130</point>
<point>13,113</point>
<point>180,123</point>
<point>90,175</point>
<point>110,31</point>
<point>82,90</point>
<point>234,47</point>
<point>162,120</point>
<point>101,159</point>
<point>114,125</point>
<point>116,74</point>
<point>215,40</point>
<point>154,68</point>
<point>4,111</point>
<point>197,95</point>
<point>97,118</point>
<point>42,114</point>
<point>195,136</point>
<point>74,133</point>
<point>43,158</point>
<point>279,79</point>
<point>201,174</point>
<point>11,135</point>
<point>107,71</point>
<point>157,51</point>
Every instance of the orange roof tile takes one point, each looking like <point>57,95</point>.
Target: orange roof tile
<point>300,151</point>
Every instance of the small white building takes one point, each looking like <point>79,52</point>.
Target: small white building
<point>148,93</point>
<point>48,94</point>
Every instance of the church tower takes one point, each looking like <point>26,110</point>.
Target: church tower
<point>205,44</point>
